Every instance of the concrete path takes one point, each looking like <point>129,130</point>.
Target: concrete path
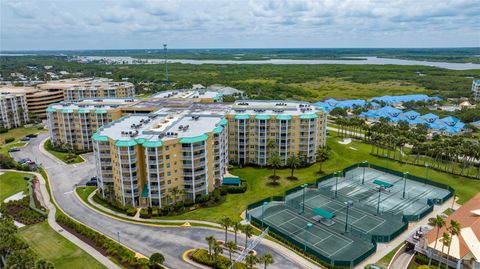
<point>142,238</point>
<point>403,260</point>
<point>17,196</point>
<point>70,237</point>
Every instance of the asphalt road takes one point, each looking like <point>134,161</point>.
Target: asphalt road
<point>172,242</point>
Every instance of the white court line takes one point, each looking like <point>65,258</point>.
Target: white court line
<point>271,216</point>
<point>322,240</point>
<point>341,249</point>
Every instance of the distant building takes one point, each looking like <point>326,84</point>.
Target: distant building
<point>476,90</point>
<point>13,110</point>
<point>464,250</point>
<point>400,99</point>
<point>37,99</point>
<point>203,96</point>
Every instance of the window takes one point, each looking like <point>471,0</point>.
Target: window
<point>167,157</point>
<point>169,174</point>
<point>169,182</point>
<point>167,147</point>
<point>168,165</point>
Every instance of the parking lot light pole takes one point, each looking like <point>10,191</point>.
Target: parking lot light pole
<point>309,225</point>
<point>303,198</point>
<point>336,183</point>
<point>263,210</point>
<point>378,202</point>
<point>348,204</point>
<point>426,173</point>
<point>364,167</point>
<point>404,183</point>
<point>118,236</point>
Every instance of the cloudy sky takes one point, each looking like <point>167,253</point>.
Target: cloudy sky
<point>108,24</point>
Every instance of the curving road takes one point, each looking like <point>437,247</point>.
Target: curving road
<point>172,242</point>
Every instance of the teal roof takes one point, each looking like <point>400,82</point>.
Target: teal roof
<point>128,143</point>
<point>101,138</point>
<point>231,181</point>
<point>51,109</point>
<point>100,111</point>
<point>308,116</point>
<point>217,129</point>
<point>140,140</point>
<point>189,140</point>
<point>152,144</point>
<point>323,213</point>
<point>283,117</point>
<point>262,117</point>
<point>223,121</point>
<point>67,110</point>
<point>218,96</point>
<point>383,183</point>
<point>145,191</point>
<point>83,110</point>
<point>242,117</point>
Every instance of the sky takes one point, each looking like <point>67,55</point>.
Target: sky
<point>147,24</point>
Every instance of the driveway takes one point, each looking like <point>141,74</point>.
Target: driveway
<point>172,242</point>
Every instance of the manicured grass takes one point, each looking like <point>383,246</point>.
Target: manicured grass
<point>62,155</point>
<point>4,149</point>
<point>11,183</point>
<point>84,192</point>
<point>49,245</point>
<point>18,133</point>
<point>341,156</point>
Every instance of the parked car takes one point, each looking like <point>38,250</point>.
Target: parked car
<point>25,161</point>
<point>13,150</point>
<point>32,135</point>
<point>25,139</point>
<point>91,183</point>
<point>94,178</point>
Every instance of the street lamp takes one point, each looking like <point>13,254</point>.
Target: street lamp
<point>378,202</point>
<point>118,236</point>
<point>365,163</point>
<point>426,173</point>
<point>336,183</point>
<point>348,204</point>
<point>304,186</point>
<point>385,160</point>
<point>263,210</point>
<point>404,183</point>
<point>309,225</point>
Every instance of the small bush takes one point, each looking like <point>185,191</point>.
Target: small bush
<point>3,130</point>
<point>221,262</point>
<point>9,140</point>
<point>144,214</point>
<point>155,212</point>
<point>235,189</point>
<point>131,211</point>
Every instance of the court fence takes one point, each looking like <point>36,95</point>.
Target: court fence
<point>373,238</point>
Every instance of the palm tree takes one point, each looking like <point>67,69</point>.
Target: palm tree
<point>231,246</point>
<point>236,226</point>
<point>438,222</point>
<point>322,156</point>
<point>248,230</point>
<point>266,259</point>
<point>271,145</point>
<point>446,240</point>
<point>454,229</point>
<point>175,191</point>
<point>156,259</point>
<point>250,261</point>
<point>226,222</point>
<point>275,161</point>
<point>293,162</point>
<point>217,250</point>
<point>211,241</point>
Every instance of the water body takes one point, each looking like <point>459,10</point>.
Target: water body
<point>361,60</point>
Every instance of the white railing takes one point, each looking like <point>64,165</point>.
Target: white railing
<point>249,248</point>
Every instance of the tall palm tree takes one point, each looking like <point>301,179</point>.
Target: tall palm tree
<point>211,241</point>
<point>226,222</point>
<point>446,240</point>
<point>175,191</point>
<point>271,145</point>
<point>293,162</point>
<point>236,226</point>
<point>248,230</point>
<point>217,250</point>
<point>266,259</point>
<point>454,230</point>
<point>322,156</point>
<point>231,246</point>
<point>250,261</point>
<point>438,222</point>
<point>275,161</point>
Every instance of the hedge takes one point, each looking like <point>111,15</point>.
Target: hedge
<point>221,262</point>
<point>9,139</point>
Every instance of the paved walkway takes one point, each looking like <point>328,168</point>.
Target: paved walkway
<point>403,260</point>
<point>70,237</point>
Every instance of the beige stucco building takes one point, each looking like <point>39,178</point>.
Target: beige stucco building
<point>13,110</point>
<point>37,99</point>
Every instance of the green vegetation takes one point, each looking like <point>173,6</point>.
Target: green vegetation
<point>385,261</point>
<point>18,133</point>
<point>4,149</point>
<point>12,183</point>
<point>66,157</point>
<point>213,260</point>
<point>50,245</point>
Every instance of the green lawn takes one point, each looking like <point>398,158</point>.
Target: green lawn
<point>84,192</point>
<point>341,156</point>
<point>62,155</point>
<point>4,149</point>
<point>11,183</point>
<point>18,133</point>
<point>50,245</point>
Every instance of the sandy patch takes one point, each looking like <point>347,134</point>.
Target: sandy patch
<point>345,141</point>
<point>15,197</point>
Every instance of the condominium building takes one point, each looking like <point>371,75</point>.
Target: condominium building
<point>200,95</point>
<point>258,129</point>
<point>13,110</point>
<point>476,90</point>
<point>76,89</point>
<point>37,99</point>
<point>72,124</point>
<point>141,158</point>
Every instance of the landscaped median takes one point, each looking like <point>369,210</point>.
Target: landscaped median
<point>66,156</point>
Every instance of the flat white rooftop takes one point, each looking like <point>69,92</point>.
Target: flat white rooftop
<point>261,107</point>
<point>187,94</point>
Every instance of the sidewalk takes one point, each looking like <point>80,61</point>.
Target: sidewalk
<point>70,237</point>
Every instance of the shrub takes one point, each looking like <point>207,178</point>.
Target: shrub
<point>221,262</point>
<point>236,189</point>
<point>20,211</point>
<point>144,214</point>
<point>9,139</point>
<point>131,211</point>
<point>3,130</point>
<point>7,162</point>
<point>188,202</point>
<point>155,212</point>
